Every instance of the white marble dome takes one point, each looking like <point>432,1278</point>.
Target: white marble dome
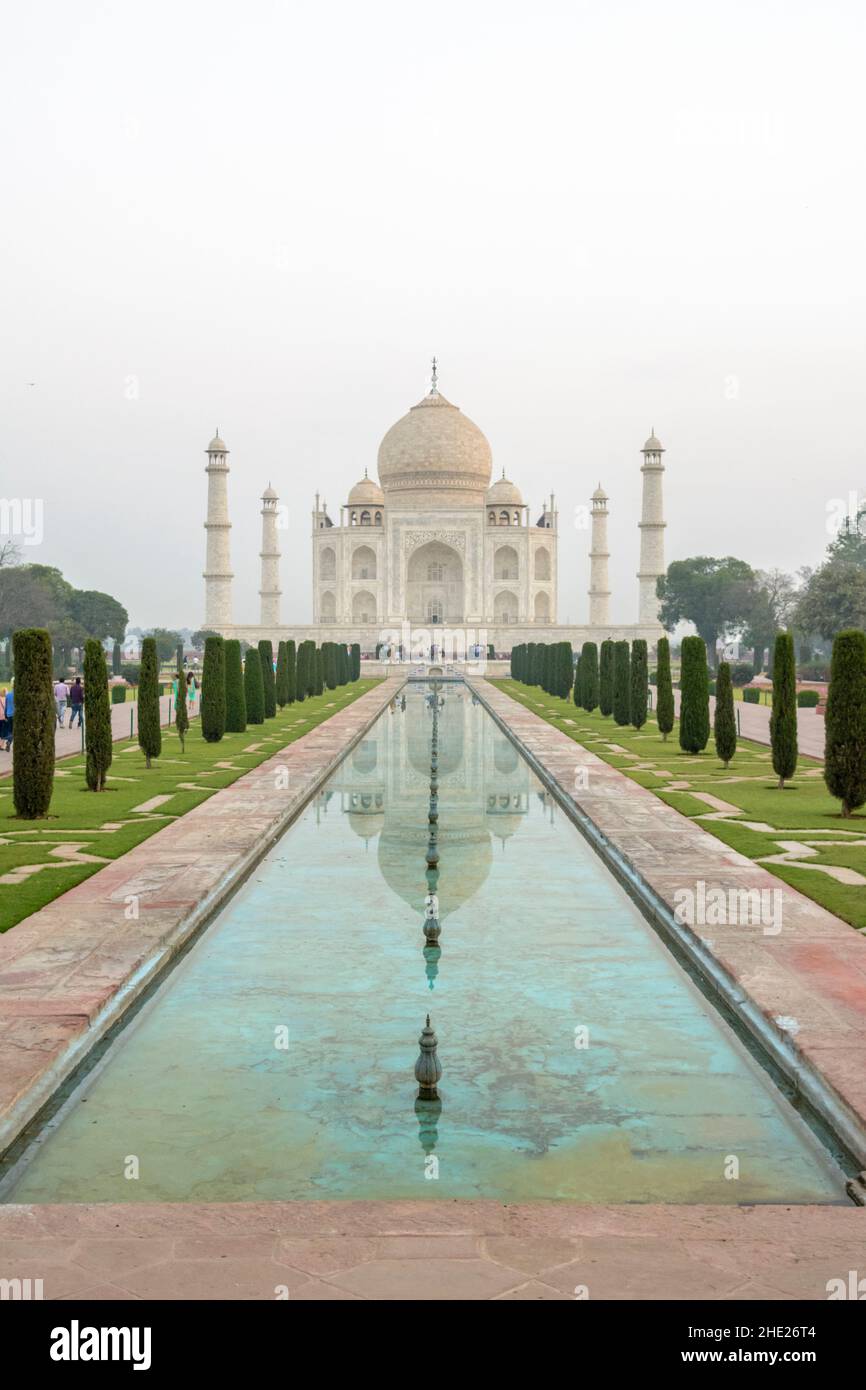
<point>366,493</point>
<point>504,493</point>
<point>435,456</point>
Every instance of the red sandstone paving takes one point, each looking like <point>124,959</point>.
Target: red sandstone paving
<point>430,1250</point>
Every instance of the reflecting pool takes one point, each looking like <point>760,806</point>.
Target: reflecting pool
<point>579,1061</point>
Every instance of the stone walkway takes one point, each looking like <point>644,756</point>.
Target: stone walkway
<point>429,1251</point>
<point>754,723</point>
<point>68,970</point>
<point>68,741</point>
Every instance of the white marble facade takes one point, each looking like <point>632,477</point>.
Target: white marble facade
<point>456,569</point>
<point>434,545</point>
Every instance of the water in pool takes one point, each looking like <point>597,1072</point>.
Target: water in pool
<point>276,1061</point>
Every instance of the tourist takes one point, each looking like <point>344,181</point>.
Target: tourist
<point>191,692</point>
<point>3,714</point>
<point>76,701</point>
<point>8,717</point>
<point>61,695</point>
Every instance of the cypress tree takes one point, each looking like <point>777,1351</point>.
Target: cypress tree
<point>319,656</point>
<point>694,696</point>
<point>181,714</point>
<point>345,663</point>
<point>116,659</point>
<point>621,683</point>
<point>356,661</point>
<point>566,666</point>
<point>639,683</point>
<point>724,723</point>
<point>664,689</point>
<point>97,716</point>
<point>282,686</point>
<point>290,672</point>
<point>179,656</point>
<point>35,720</point>
<point>588,677</point>
<point>254,687</point>
<point>310,667</point>
<point>783,719</point>
<point>538,663</point>
<point>605,677</point>
<point>300,672</point>
<point>845,747</point>
<point>269,685</point>
<point>547,669</point>
<point>330,650</point>
<point>149,731</point>
<point>236,704</point>
<point>213,690</point>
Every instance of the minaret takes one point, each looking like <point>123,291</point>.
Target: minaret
<point>652,533</point>
<point>599,583</point>
<point>270,557</point>
<point>218,570</point>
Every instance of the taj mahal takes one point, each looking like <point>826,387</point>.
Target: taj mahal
<point>435,548</point>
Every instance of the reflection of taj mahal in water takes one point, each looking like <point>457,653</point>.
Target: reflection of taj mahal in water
<point>383,789</point>
<point>435,544</point>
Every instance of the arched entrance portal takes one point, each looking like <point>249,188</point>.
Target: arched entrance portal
<point>434,585</point>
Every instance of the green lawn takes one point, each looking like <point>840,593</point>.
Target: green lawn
<point>107,825</point>
<point>804,812</point>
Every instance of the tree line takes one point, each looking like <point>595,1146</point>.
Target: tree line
<point>38,596</point>
<point>725,598</point>
<point>235,692</point>
<point>614,679</point>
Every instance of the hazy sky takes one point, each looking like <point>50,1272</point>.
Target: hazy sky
<point>268,217</point>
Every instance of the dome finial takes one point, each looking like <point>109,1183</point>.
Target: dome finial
<point>434,381</point>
